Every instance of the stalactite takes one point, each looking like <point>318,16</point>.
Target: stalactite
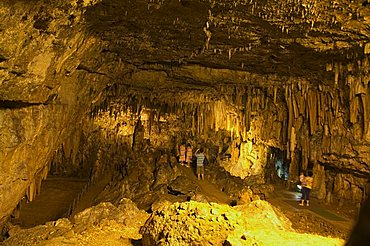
<point>38,184</point>
<point>305,149</point>
<point>364,101</point>
<point>45,171</point>
<point>228,122</point>
<point>248,114</point>
<point>292,141</point>
<point>326,141</point>
<point>354,105</point>
<point>288,96</point>
<point>352,99</point>
<point>198,119</point>
<point>151,120</point>
<point>237,126</point>
<point>319,108</point>
<point>299,98</point>
<point>31,191</point>
<point>324,106</point>
<point>17,210</point>
<point>193,129</point>
<point>159,120</point>
<point>312,110</point>
<point>334,104</point>
<point>216,109</point>
<point>295,106</point>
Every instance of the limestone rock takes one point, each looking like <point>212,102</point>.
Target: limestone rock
<point>99,225</point>
<point>211,223</point>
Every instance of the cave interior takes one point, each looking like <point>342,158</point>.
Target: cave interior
<point>98,96</point>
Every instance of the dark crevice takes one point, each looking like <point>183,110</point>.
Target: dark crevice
<point>17,104</point>
<point>174,192</point>
<point>2,58</point>
<point>344,170</point>
<point>89,70</point>
<point>137,242</point>
<point>17,73</point>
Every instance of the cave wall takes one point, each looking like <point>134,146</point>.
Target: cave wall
<point>43,96</point>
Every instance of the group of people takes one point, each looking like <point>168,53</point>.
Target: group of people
<point>186,156</point>
<point>306,182</point>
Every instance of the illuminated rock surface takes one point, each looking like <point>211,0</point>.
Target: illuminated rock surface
<point>177,224</point>
<point>104,224</point>
<point>213,224</point>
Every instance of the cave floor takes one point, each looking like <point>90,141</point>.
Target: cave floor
<point>58,194</point>
<point>318,218</point>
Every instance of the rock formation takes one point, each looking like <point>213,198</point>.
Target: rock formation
<point>92,226</point>
<point>202,224</point>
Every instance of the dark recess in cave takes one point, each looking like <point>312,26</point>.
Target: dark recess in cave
<point>8,104</point>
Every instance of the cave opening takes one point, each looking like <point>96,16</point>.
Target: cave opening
<point>281,163</point>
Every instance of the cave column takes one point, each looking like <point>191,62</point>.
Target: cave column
<point>293,169</point>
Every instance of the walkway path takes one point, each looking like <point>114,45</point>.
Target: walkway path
<point>287,201</point>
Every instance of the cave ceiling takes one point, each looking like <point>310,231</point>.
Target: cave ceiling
<point>284,38</point>
<point>195,44</point>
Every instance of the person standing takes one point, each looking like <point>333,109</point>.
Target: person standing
<point>306,189</point>
<point>189,155</point>
<point>199,154</point>
<point>300,182</point>
<point>182,154</point>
